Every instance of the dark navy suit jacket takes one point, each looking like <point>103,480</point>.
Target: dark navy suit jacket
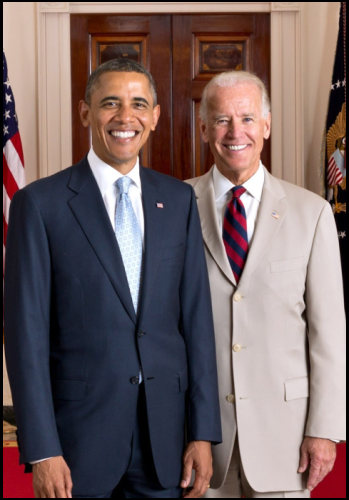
<point>73,341</point>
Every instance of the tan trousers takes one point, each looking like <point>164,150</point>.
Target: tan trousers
<point>236,484</point>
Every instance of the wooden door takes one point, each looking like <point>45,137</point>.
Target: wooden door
<point>183,52</point>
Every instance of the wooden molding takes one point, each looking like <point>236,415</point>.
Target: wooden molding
<point>286,6</point>
<point>166,7</point>
<point>53,6</point>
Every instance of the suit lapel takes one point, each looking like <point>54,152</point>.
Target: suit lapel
<point>210,229</point>
<point>89,210</point>
<point>155,227</point>
<point>271,215</point>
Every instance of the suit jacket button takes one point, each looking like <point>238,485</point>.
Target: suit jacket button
<point>237,297</point>
<point>135,380</point>
<point>237,347</point>
<point>141,334</point>
<point>231,398</point>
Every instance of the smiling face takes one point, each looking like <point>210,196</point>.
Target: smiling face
<point>121,116</point>
<point>235,130</point>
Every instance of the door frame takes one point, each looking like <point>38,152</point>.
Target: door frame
<point>54,75</point>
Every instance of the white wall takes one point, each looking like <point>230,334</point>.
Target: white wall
<point>320,28</point>
<point>320,39</point>
<point>21,55</point>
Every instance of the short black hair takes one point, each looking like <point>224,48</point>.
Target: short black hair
<point>120,65</point>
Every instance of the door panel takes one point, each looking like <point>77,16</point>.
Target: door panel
<point>183,52</point>
<point>106,47</point>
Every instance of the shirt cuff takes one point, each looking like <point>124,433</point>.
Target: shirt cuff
<point>38,461</point>
<point>329,439</point>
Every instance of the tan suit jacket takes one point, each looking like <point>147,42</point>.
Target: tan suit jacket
<point>286,320</point>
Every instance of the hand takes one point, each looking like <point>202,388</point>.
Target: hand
<point>321,455</point>
<point>198,457</point>
<point>52,479</point>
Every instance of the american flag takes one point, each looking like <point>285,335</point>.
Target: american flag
<point>334,174</point>
<point>12,157</point>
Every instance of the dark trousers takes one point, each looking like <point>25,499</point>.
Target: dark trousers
<point>140,479</point>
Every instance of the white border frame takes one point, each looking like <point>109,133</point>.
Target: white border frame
<point>55,130</point>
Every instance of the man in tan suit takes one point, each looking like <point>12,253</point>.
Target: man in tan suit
<point>273,258</point>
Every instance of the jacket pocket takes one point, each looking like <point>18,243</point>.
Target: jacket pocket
<point>173,252</point>
<point>183,380</point>
<point>283,266</point>
<point>297,388</point>
<point>69,390</point>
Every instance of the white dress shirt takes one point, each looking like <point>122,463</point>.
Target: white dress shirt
<point>251,199</point>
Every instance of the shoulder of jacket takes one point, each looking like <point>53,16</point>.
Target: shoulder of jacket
<point>48,184</point>
<point>193,181</point>
<point>300,194</point>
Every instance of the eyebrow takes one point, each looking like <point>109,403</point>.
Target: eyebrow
<point>244,115</point>
<point>116,98</point>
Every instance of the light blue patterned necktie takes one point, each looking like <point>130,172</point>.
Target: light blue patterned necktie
<point>129,239</point>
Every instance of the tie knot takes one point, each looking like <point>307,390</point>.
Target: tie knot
<point>124,184</point>
<point>238,191</point>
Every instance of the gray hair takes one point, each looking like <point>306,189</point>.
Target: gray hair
<point>120,65</point>
<point>230,79</point>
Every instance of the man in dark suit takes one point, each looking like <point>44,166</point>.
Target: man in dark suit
<point>108,323</point>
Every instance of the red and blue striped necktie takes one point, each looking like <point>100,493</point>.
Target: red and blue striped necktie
<point>235,233</point>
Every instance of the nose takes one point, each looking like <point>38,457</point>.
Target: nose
<point>125,114</point>
<point>235,129</point>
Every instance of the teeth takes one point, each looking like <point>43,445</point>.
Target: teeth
<point>237,148</point>
<point>123,135</point>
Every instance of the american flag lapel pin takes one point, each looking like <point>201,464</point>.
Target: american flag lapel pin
<point>160,205</point>
<point>275,215</point>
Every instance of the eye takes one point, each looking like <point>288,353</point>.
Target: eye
<point>111,104</point>
<point>247,119</point>
<point>222,121</point>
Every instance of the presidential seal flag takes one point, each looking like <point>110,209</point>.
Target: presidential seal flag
<point>334,160</point>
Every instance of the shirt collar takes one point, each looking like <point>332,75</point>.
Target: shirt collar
<point>106,175</point>
<point>254,185</point>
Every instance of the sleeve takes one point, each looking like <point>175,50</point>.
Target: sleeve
<point>327,333</point>
<point>27,298</point>
<point>204,422</point>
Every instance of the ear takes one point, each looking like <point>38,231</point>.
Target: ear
<point>267,126</point>
<point>204,130</point>
<point>84,111</point>
<point>156,116</point>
